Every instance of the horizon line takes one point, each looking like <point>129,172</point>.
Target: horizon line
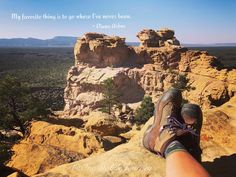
<point>188,43</point>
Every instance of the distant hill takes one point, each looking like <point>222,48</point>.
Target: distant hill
<point>194,45</point>
<point>211,45</point>
<point>69,41</point>
<point>58,41</point>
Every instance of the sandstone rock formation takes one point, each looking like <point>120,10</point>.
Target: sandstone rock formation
<point>57,142</point>
<point>149,38</point>
<point>159,38</point>
<point>101,50</point>
<point>50,145</point>
<point>213,85</point>
<point>131,159</point>
<point>84,92</point>
<point>218,137</point>
<point>152,69</point>
<point>102,124</point>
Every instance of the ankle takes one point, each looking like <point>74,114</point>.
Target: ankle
<point>174,146</point>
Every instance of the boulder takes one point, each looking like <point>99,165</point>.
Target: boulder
<point>105,124</point>
<point>206,91</point>
<point>165,33</point>
<point>231,77</point>
<point>12,135</point>
<point>148,38</point>
<point>49,145</point>
<point>159,38</point>
<point>101,50</point>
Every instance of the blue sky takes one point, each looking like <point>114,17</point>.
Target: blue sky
<point>194,21</point>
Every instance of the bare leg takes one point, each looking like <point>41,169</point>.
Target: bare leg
<point>182,164</point>
<point>167,127</point>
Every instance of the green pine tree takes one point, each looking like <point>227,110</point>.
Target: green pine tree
<point>145,111</point>
<point>110,94</point>
<point>17,105</point>
<point>181,83</point>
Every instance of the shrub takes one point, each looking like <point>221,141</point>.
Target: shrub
<point>182,83</point>
<point>145,111</point>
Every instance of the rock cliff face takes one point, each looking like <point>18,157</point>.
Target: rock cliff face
<point>213,86</point>
<point>150,69</point>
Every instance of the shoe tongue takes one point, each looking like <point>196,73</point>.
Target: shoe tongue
<point>168,112</point>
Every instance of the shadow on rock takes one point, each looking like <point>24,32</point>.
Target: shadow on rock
<point>222,167</point>
<point>68,122</point>
<point>5,171</point>
<point>110,142</point>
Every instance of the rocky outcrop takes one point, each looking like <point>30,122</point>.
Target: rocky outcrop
<point>105,125</point>
<point>149,38</point>
<point>131,159</point>
<point>61,141</point>
<point>159,38</point>
<point>101,50</point>
<point>50,145</point>
<point>212,85</point>
<point>161,57</point>
<point>153,68</point>
<point>83,91</point>
<point>218,136</point>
